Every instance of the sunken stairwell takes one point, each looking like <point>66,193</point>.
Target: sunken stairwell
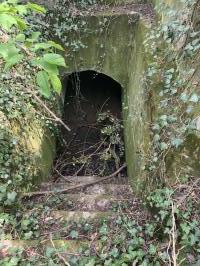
<point>67,213</point>
<point>81,196</point>
<point>77,198</point>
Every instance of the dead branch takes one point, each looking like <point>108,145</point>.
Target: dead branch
<point>57,119</point>
<point>57,253</point>
<point>174,255</point>
<point>38,193</point>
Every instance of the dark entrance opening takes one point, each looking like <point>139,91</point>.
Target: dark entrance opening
<point>93,111</point>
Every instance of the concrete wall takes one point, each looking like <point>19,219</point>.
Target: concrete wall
<point>117,52</point>
<point>50,3</point>
<point>184,162</point>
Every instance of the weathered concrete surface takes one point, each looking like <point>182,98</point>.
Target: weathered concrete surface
<point>38,142</point>
<point>50,3</point>
<point>43,147</point>
<point>117,52</point>
<point>184,162</point>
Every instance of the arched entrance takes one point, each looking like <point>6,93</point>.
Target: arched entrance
<point>93,110</point>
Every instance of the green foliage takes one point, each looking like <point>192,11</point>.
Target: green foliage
<point>18,47</point>
<point>172,46</point>
<point>125,240</point>
<point>111,131</point>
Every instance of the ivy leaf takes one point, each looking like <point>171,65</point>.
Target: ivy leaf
<point>56,45</point>
<point>74,234</point>
<point>56,83</point>
<point>28,235</point>
<point>7,21</point>
<point>163,146</point>
<point>42,45</point>
<point>49,252</point>
<point>20,37</point>
<point>36,8</point>
<point>163,117</point>
<point>176,142</point>
<point>34,37</point>
<point>194,98</point>
<point>21,23</point>
<point>42,80</point>
<point>13,61</point>
<point>51,69</point>
<point>156,138</point>
<point>8,50</point>
<point>152,249</point>
<point>21,9</point>
<point>55,59</point>
<point>184,97</point>
<point>114,252</point>
<point>11,196</point>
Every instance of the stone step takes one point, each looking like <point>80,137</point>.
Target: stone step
<point>68,247</point>
<point>85,179</point>
<point>109,189</point>
<point>78,216</point>
<point>82,201</point>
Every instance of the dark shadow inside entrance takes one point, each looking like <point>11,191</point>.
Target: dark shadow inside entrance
<point>93,111</point>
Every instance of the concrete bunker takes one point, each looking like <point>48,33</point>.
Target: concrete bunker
<point>93,110</point>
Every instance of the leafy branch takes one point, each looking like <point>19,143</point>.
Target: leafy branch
<point>17,47</point>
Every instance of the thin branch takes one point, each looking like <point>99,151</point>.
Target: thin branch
<point>38,193</point>
<point>174,256</point>
<point>57,119</point>
<point>58,254</point>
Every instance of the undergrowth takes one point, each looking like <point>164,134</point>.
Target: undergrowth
<point>167,233</point>
<point>130,237</point>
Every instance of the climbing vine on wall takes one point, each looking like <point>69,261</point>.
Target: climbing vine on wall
<point>173,47</point>
<point>29,69</point>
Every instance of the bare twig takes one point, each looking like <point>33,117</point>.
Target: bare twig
<point>174,256</point>
<point>188,194</point>
<point>37,193</point>
<point>57,119</point>
<point>58,254</point>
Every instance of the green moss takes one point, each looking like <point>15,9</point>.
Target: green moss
<point>47,154</point>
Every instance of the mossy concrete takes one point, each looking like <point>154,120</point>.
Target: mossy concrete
<point>183,162</point>
<point>38,141</point>
<point>117,52</point>
<point>77,216</point>
<point>121,2</point>
<point>50,3</point>
<point>43,146</point>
